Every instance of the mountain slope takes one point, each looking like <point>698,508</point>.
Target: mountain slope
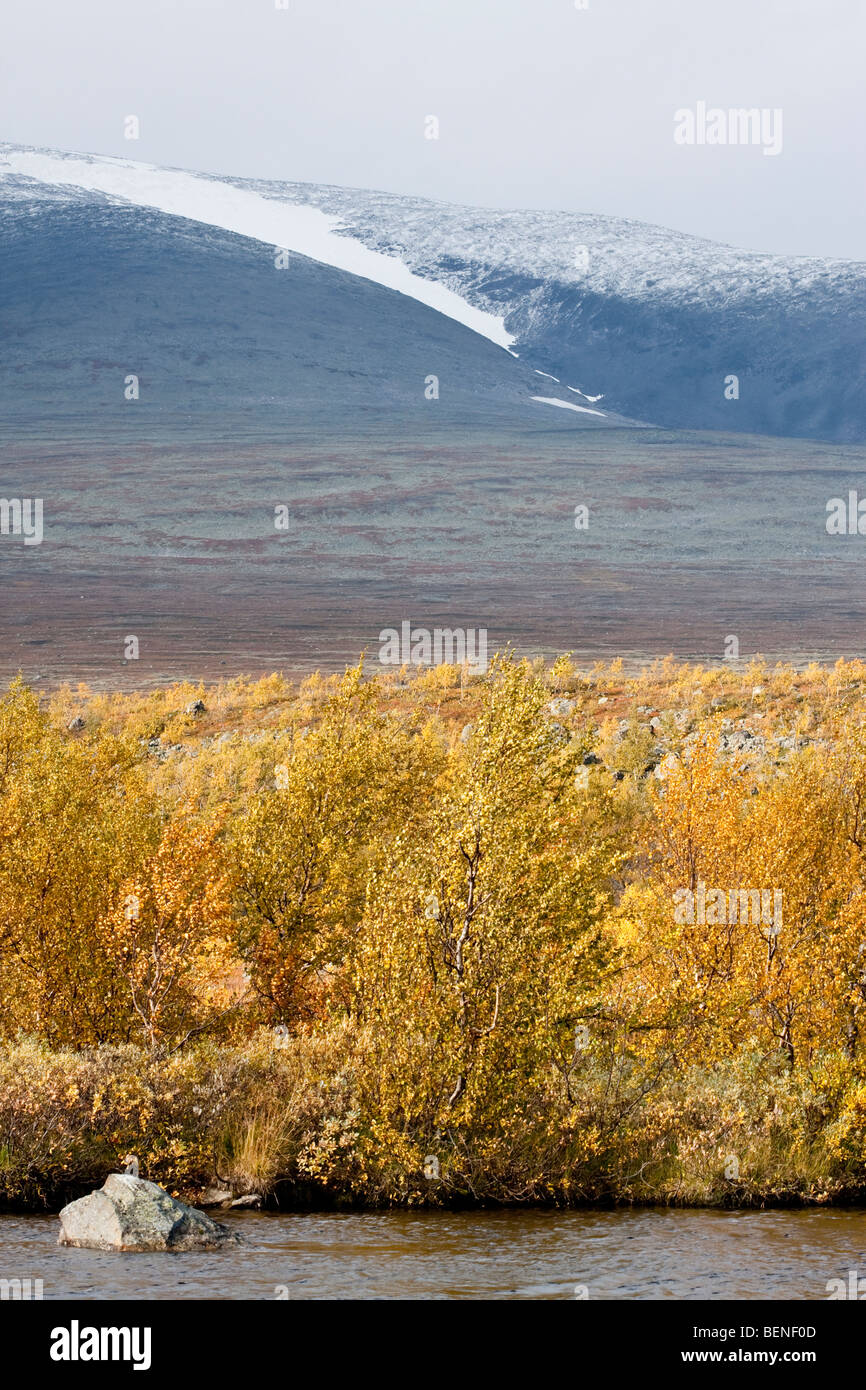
<point>94,290</point>
<point>654,319</point>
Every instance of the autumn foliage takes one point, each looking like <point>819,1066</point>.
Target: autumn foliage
<point>507,936</point>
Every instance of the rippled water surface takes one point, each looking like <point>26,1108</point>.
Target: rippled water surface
<point>643,1254</point>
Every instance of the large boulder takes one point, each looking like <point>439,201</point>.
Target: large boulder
<point>128,1213</point>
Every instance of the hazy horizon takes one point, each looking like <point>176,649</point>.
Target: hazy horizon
<point>541,107</point>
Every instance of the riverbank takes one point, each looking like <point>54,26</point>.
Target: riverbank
<point>286,1119</point>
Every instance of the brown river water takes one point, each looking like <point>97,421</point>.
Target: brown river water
<point>534,1255</point>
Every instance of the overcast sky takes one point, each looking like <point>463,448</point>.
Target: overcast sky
<point>540,104</point>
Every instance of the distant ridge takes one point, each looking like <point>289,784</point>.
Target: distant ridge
<point>654,322</point>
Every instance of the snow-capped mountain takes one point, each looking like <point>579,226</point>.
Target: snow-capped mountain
<point>119,283</point>
<point>653,320</point>
<point>609,315</point>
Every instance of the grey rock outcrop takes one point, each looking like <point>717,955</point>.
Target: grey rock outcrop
<point>741,741</point>
<point>561,707</point>
<point>129,1213</point>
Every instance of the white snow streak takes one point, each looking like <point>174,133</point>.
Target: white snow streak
<point>303,230</point>
<point>567,405</point>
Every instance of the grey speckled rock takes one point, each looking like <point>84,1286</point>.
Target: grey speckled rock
<point>561,707</point>
<point>128,1213</point>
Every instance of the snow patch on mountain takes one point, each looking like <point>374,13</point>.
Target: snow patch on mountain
<point>568,405</point>
<point>294,227</point>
